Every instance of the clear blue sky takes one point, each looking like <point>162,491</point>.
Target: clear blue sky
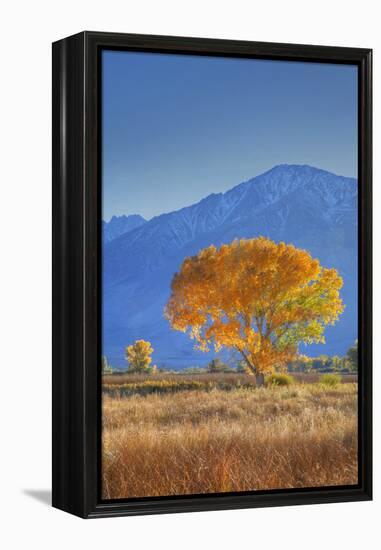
<point>177,128</point>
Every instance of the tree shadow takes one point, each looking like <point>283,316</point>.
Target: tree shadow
<point>42,495</point>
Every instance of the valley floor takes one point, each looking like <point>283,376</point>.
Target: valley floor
<point>198,441</point>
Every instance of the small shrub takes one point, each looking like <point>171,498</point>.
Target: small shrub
<point>330,379</point>
<point>279,379</point>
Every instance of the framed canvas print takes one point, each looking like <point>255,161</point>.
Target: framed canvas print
<point>212,274</point>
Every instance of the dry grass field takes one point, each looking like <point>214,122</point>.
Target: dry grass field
<point>210,440</point>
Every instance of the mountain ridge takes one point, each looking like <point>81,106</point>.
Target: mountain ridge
<point>308,206</point>
<point>119,225</point>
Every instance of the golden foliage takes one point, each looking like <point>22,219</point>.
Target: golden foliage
<point>256,296</point>
<point>138,356</point>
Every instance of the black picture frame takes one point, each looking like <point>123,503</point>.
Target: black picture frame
<point>76,273</point>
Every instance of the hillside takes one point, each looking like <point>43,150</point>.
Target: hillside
<point>311,208</point>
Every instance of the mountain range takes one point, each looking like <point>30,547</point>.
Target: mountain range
<point>311,208</point>
<point>118,225</point>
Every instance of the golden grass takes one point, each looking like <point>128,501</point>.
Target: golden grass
<point>246,439</point>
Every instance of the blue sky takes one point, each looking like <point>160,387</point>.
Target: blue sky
<point>177,128</point>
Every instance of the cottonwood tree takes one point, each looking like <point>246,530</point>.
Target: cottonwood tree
<point>352,357</point>
<point>217,366</point>
<point>138,356</point>
<point>256,296</point>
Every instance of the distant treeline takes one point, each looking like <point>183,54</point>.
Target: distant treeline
<point>304,364</point>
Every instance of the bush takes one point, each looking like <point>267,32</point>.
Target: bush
<point>330,379</point>
<point>279,379</point>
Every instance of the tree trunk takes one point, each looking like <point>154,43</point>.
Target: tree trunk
<point>259,376</point>
<point>259,380</point>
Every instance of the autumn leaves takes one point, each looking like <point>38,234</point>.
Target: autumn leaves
<point>138,356</point>
<point>257,297</point>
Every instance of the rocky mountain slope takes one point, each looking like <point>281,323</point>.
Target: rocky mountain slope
<point>119,225</point>
<point>311,208</point>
